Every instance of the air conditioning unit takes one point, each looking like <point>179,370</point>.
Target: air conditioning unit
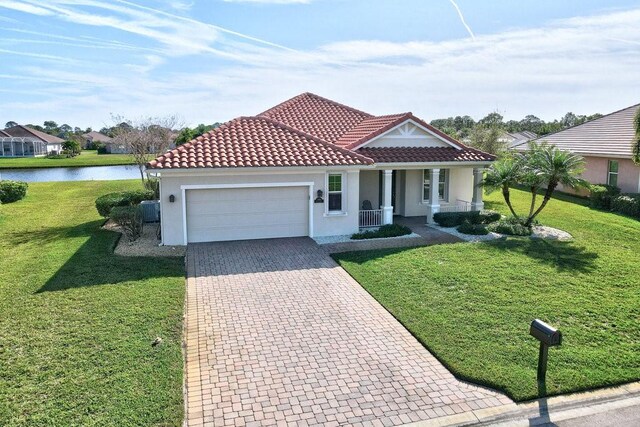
<point>150,210</point>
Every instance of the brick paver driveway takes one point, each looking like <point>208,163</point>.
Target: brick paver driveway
<point>278,333</point>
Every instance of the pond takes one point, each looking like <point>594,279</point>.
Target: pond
<point>94,173</point>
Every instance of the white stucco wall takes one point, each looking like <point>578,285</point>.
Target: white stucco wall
<point>369,187</point>
<point>323,224</point>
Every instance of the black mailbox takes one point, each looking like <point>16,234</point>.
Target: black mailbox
<point>545,333</point>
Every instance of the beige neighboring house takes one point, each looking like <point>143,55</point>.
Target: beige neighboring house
<point>312,167</point>
<point>606,145</point>
<point>23,141</point>
<point>93,136</point>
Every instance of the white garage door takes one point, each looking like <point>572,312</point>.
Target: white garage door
<point>247,213</point>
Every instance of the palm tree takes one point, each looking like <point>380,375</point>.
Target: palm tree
<point>554,167</point>
<point>502,175</point>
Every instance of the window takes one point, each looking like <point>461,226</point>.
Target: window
<point>335,192</point>
<point>443,184</point>
<point>612,177</point>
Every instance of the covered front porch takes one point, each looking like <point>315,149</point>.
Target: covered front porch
<point>409,192</point>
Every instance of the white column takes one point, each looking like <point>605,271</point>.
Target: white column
<point>433,206</point>
<point>12,154</point>
<point>476,202</point>
<point>387,207</point>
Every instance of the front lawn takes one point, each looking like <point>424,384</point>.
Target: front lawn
<point>471,303</point>
<point>87,158</point>
<point>77,322</point>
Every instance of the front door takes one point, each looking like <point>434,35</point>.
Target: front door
<point>393,189</point>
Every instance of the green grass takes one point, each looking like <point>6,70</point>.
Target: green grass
<point>77,322</point>
<point>86,158</point>
<point>471,303</point>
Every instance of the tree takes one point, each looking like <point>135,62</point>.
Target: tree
<point>487,138</point>
<point>503,175</point>
<point>636,141</point>
<point>10,124</point>
<point>187,134</point>
<point>145,138</point>
<point>542,167</point>
<point>71,147</point>
<point>51,127</point>
<point>492,119</point>
<point>553,167</point>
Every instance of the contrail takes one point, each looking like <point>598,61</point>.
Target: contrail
<point>462,19</point>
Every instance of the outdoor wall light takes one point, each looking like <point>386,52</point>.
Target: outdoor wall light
<point>172,198</point>
<point>319,199</point>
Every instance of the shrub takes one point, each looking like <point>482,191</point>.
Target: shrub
<point>474,229</point>
<point>102,149</point>
<point>602,195</point>
<point>511,226</point>
<point>152,184</point>
<point>389,230</point>
<point>129,218</point>
<point>12,191</point>
<point>104,204</point>
<point>454,219</point>
<point>628,204</point>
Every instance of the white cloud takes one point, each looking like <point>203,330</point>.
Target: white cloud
<point>583,64</point>
<point>270,1</point>
<point>23,7</point>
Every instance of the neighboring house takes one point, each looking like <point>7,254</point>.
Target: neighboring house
<point>93,137</point>
<point>517,138</point>
<point>312,167</point>
<point>22,141</point>
<point>606,145</point>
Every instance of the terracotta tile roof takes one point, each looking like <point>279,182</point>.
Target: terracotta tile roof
<point>610,135</point>
<point>307,130</point>
<point>256,142</point>
<point>424,154</point>
<point>318,116</point>
<point>369,128</point>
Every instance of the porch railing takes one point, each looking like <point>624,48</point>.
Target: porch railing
<point>371,218</point>
<point>458,206</point>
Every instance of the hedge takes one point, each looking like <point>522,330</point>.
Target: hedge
<point>602,196</point>
<point>105,203</point>
<point>473,229</point>
<point>510,226</point>
<point>389,230</point>
<point>12,191</point>
<point>627,204</point>
<point>454,219</point>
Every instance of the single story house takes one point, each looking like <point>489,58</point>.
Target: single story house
<point>23,141</point>
<point>93,136</point>
<point>312,167</point>
<point>606,145</point>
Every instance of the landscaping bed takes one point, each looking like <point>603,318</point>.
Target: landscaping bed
<point>471,304</point>
<point>77,321</point>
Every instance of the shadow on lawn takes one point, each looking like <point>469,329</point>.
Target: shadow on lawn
<point>94,263</point>
<point>565,256</point>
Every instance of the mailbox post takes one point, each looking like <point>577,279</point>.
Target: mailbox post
<point>548,337</point>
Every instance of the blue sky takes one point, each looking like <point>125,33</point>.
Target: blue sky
<point>79,61</point>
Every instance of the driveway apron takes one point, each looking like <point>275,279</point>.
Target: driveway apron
<point>277,333</point>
